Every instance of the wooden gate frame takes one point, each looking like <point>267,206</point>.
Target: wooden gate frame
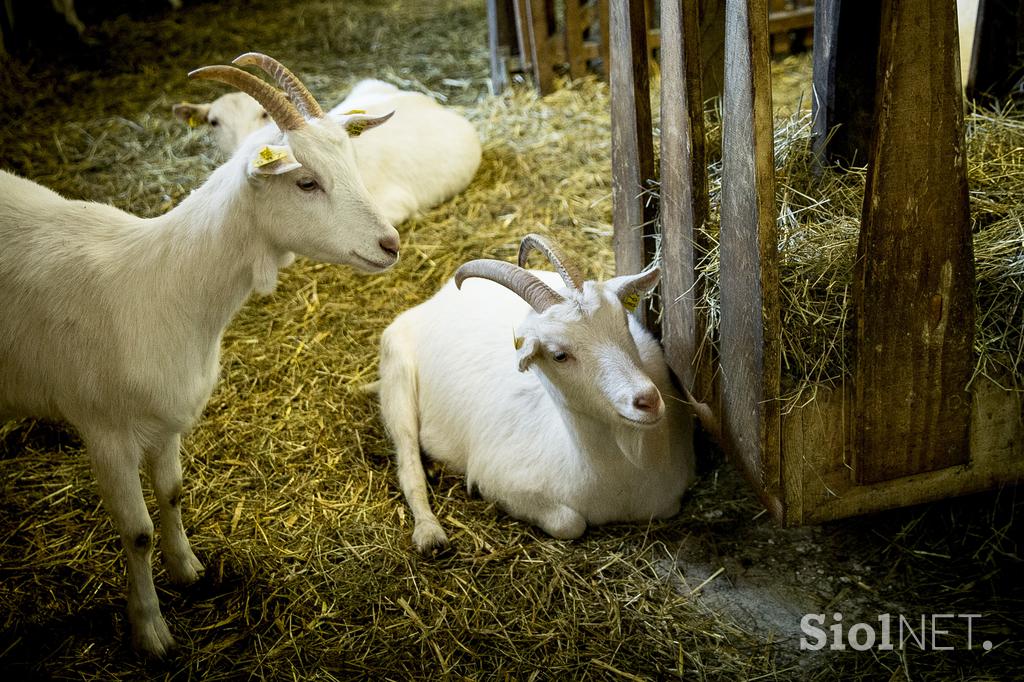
<point>897,433</point>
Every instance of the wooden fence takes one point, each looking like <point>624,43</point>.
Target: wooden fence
<point>905,428</point>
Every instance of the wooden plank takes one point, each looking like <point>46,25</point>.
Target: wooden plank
<point>914,278</point>
<point>684,197</point>
<point>606,40</point>
<point>712,48</point>
<point>819,484</point>
<point>749,278</point>
<point>779,36</point>
<point>785,20</point>
<point>632,138</point>
<point>845,66</point>
<point>574,28</point>
<point>996,59</point>
<point>499,40</point>
<point>540,42</point>
<point>523,34</point>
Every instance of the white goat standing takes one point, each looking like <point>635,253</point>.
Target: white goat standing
<point>429,154</point>
<point>113,322</point>
<point>564,428</point>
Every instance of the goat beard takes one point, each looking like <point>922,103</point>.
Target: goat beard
<point>630,441</point>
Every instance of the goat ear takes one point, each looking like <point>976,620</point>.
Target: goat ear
<point>357,121</point>
<point>273,159</point>
<point>193,115</point>
<point>632,288</point>
<point>527,349</point>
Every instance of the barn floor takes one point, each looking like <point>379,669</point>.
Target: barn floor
<point>291,500</point>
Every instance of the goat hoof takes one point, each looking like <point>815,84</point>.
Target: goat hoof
<point>429,538</point>
<point>184,570</point>
<point>153,638</point>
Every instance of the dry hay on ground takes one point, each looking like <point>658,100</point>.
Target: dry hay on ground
<point>290,494</point>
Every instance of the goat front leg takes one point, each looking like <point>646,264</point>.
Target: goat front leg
<point>427,536</point>
<point>164,462</point>
<point>554,518</point>
<point>399,411</point>
<point>115,462</point>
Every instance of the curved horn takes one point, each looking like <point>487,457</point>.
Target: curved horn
<point>289,82</point>
<point>284,113</point>
<point>525,285</point>
<point>563,264</point>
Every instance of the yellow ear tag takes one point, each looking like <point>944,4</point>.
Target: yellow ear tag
<point>193,122</point>
<point>518,342</point>
<point>355,128</point>
<point>631,302</point>
<point>268,156</point>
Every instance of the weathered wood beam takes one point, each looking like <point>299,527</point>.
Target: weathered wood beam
<point>500,35</point>
<point>845,68</point>
<point>684,196</point>
<point>632,138</point>
<point>539,22</point>
<point>574,26</point>
<point>914,278</point>
<point>790,19</point>
<point>749,278</point>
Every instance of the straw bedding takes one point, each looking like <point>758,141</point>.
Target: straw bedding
<point>290,495</point>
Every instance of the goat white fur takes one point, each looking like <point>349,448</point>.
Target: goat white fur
<point>113,322</point>
<point>429,153</point>
<point>563,428</point>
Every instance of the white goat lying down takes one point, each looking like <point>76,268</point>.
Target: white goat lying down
<point>565,427</point>
<point>428,154</point>
<point>113,322</point>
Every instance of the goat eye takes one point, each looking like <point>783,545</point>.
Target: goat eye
<point>308,184</point>
<point>214,122</point>
<point>560,356</point>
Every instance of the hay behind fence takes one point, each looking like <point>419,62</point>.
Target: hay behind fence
<point>819,225</point>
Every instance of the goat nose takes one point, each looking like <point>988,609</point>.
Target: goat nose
<point>648,401</point>
<point>390,244</point>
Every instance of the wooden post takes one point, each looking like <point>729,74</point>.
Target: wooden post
<point>632,143</point>
<point>500,36</point>
<point>684,196</point>
<point>539,20</point>
<point>712,49</point>
<point>845,66</point>
<point>749,278</point>
<point>996,58</point>
<point>574,39</point>
<point>603,13</point>
<point>779,40</point>
<point>914,280</point>
<point>523,34</point>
